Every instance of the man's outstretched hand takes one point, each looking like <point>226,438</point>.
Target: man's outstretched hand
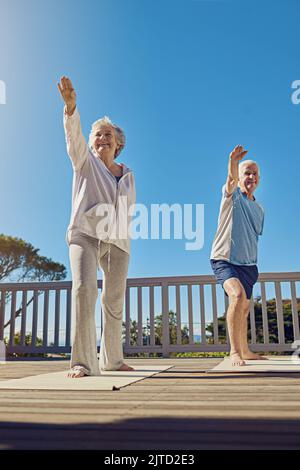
<point>238,153</point>
<point>68,94</point>
<point>235,156</point>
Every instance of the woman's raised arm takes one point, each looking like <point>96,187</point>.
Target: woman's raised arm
<point>68,94</point>
<point>76,144</point>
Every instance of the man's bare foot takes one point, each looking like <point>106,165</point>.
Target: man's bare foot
<point>250,356</point>
<point>75,373</point>
<point>236,360</point>
<point>125,367</point>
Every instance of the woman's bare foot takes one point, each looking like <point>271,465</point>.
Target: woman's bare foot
<point>236,360</point>
<point>125,367</point>
<point>250,356</point>
<point>76,372</point>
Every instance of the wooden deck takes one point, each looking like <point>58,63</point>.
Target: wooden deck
<point>181,408</point>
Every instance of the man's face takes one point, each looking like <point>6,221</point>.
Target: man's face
<point>249,178</point>
<point>105,142</point>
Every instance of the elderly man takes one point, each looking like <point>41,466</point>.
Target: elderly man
<point>234,250</point>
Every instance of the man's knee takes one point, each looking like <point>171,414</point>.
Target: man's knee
<point>237,295</point>
<point>235,291</point>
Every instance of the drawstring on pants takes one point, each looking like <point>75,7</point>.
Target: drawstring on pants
<point>98,254</point>
<point>109,256</point>
<point>109,245</point>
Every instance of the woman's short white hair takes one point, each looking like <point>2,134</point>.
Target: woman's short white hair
<point>119,133</point>
<point>247,163</point>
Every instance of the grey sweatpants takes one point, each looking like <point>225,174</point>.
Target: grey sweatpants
<point>86,254</point>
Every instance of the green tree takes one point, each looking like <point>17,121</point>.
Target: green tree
<point>172,329</point>
<point>272,321</point>
<point>28,342</point>
<point>158,326</point>
<point>20,262</point>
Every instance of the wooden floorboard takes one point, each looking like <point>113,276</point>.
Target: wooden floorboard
<point>181,408</point>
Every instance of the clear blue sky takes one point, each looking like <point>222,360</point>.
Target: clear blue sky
<point>187,80</point>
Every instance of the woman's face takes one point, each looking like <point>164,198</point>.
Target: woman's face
<point>105,142</point>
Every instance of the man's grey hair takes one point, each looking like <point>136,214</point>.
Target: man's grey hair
<point>119,133</point>
<point>247,163</point>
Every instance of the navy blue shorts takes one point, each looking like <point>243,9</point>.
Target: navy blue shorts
<point>224,270</point>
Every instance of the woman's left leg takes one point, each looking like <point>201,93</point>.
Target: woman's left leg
<point>114,266</point>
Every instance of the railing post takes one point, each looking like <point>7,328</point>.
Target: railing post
<point>178,316</point>
<point>191,316</point>
<point>264,313</point>
<point>23,319</point>
<point>215,314</point>
<point>2,314</point>
<point>127,317</point>
<point>279,311</point>
<point>12,319</point>
<point>295,312</point>
<point>34,317</point>
<point>165,320</point>
<point>140,317</point>
<point>202,315</point>
<point>151,314</point>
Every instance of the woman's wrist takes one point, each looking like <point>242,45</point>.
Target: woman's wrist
<point>70,109</point>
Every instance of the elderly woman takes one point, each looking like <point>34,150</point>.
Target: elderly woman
<point>102,194</point>
<point>234,250</point>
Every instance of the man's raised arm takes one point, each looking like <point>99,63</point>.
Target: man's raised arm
<point>235,156</point>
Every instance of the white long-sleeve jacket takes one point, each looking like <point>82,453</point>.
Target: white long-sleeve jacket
<point>94,186</point>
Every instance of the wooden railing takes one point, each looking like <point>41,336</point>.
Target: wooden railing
<point>197,302</point>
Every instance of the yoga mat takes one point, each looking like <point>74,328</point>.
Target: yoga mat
<point>272,364</point>
<point>108,380</point>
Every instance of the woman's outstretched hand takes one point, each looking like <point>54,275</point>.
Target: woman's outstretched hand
<point>68,94</point>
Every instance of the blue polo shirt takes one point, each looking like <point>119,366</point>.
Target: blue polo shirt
<point>240,223</point>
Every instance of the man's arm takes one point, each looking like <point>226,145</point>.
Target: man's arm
<point>233,169</point>
<point>77,147</point>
